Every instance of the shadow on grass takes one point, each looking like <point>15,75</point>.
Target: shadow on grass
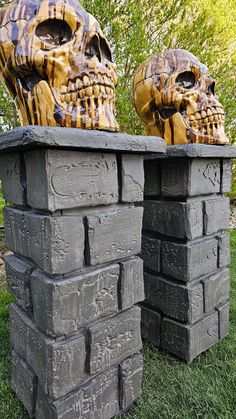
<point>206,389</point>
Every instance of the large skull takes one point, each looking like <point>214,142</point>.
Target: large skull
<point>174,96</point>
<point>57,64</point>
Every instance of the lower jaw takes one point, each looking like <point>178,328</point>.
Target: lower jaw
<point>39,107</point>
<point>176,131</point>
<point>89,113</point>
<point>217,138</point>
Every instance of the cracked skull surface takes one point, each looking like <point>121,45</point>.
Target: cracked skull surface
<point>57,65</point>
<point>175,98</point>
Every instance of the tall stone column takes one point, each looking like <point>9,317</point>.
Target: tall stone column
<point>186,250</point>
<point>75,232</point>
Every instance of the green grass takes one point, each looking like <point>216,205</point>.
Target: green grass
<point>206,389</point>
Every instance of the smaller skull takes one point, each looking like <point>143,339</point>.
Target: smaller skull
<point>174,96</point>
<point>57,65</point>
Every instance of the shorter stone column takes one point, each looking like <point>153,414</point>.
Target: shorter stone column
<point>186,250</point>
<point>75,232</point>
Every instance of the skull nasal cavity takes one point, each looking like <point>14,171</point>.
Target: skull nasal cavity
<point>55,32</point>
<point>99,48</point>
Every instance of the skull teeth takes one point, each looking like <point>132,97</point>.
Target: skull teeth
<point>86,89</point>
<point>206,117</point>
<point>88,92</point>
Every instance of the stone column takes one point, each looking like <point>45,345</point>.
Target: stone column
<point>186,250</point>
<point>75,233</point>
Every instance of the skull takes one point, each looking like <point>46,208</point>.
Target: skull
<point>57,65</point>
<point>174,96</point>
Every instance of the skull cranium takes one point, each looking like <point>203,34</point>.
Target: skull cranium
<point>174,96</point>
<point>57,65</point>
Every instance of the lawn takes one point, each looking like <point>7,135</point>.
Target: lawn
<point>206,389</point>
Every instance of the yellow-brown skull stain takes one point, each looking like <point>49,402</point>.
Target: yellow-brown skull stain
<point>57,65</point>
<point>174,96</point>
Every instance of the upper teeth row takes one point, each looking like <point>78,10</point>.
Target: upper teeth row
<point>207,120</point>
<point>86,82</point>
<point>96,91</point>
<point>207,113</point>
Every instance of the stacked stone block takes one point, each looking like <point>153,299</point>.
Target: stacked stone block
<point>186,250</point>
<point>75,232</point>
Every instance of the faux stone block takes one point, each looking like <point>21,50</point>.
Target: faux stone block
<point>114,340</point>
<point>98,399</point>
<point>75,302</point>
<point>131,283</point>
<point>187,342</point>
<point>187,262</point>
<point>216,289</point>
<point>132,171</point>
<point>59,179</point>
<point>224,250</point>
<point>55,244</point>
<point>151,253</point>
<point>24,383</point>
<point>216,215</point>
<point>18,280</point>
<point>174,300</point>
<point>223,310</point>
<point>226,176</point>
<point>151,325</point>
<point>190,177</point>
<point>131,372</point>
<point>176,219</point>
<point>114,234</point>
<point>152,173</point>
<point>12,176</point>
<point>59,365</point>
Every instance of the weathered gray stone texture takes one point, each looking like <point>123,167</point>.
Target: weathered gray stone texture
<point>59,365</point>
<point>55,244</point>
<point>187,262</point>
<point>98,399</point>
<point>132,172</point>
<point>18,279</point>
<point>186,341</point>
<point>151,325</point>
<point>174,300</point>
<point>190,177</point>
<point>115,339</point>
<point>75,228</point>
<point>131,372</point>
<point>75,302</point>
<point>176,219</point>
<point>131,283</point>
<point>152,185</point>
<point>24,383</point>
<point>59,179</point>
<point>186,251</point>
<point>114,235</point>
<point>12,176</point>
<point>151,253</point>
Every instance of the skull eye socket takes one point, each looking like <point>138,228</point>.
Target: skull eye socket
<point>186,80</point>
<point>54,32</point>
<point>99,48</point>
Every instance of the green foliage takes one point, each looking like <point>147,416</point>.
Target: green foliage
<point>171,389</point>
